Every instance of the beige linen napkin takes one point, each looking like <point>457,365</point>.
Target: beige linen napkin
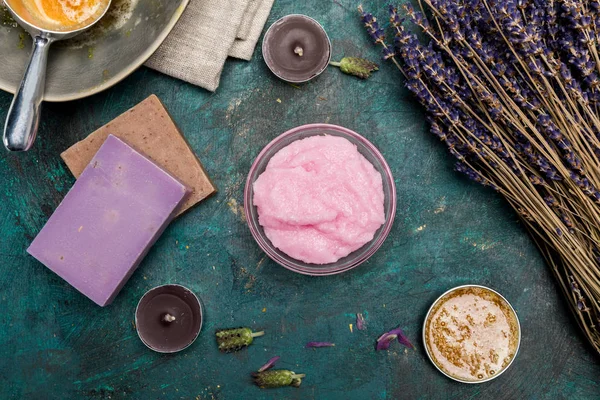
<point>208,32</point>
<point>250,30</point>
<point>246,24</point>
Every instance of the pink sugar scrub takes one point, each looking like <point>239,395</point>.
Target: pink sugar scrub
<point>319,199</point>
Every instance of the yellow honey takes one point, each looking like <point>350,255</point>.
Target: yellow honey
<point>59,15</point>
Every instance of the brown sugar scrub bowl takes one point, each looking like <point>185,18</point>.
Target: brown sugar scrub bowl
<point>471,334</point>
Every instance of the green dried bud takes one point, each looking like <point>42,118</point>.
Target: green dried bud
<point>235,339</point>
<point>277,378</point>
<point>356,66</point>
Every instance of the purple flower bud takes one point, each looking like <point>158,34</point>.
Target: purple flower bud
<point>319,344</point>
<point>550,200</point>
<point>269,364</point>
<point>384,341</point>
<point>361,324</point>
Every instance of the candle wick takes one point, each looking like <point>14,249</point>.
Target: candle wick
<point>299,50</point>
<point>168,318</point>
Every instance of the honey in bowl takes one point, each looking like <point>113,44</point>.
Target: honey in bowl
<point>59,15</point>
<point>472,334</point>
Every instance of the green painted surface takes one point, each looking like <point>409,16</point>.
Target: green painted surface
<point>56,344</point>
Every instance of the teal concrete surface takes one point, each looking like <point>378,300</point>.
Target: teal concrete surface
<point>57,344</point>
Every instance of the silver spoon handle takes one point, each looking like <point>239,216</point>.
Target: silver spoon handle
<point>24,113</point>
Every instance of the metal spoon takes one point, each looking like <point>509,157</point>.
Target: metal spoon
<point>24,113</point>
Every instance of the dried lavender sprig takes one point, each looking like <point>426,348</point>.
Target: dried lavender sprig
<point>356,66</point>
<point>378,36</point>
<point>277,378</point>
<point>236,338</point>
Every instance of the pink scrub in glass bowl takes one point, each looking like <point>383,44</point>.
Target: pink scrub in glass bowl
<point>336,203</point>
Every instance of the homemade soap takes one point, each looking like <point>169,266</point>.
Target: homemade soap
<point>149,128</point>
<point>319,199</point>
<point>107,222</point>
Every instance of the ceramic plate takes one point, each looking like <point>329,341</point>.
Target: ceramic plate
<point>98,59</point>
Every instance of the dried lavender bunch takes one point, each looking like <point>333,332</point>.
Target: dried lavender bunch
<point>512,88</point>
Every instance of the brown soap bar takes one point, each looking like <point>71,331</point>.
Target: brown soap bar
<point>148,128</point>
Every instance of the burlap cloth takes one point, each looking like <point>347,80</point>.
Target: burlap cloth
<point>208,32</point>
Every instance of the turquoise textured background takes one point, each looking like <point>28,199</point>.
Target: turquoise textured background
<point>56,344</point>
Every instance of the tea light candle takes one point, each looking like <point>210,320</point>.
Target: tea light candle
<point>168,318</point>
<point>296,48</point>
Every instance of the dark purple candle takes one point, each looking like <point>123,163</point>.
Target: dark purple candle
<point>168,318</point>
<point>296,48</point>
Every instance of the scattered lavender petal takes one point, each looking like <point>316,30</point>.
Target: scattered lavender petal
<point>403,340</point>
<point>384,341</point>
<point>269,364</point>
<point>319,344</point>
<point>361,324</point>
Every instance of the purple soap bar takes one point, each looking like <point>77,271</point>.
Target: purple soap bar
<point>107,222</point>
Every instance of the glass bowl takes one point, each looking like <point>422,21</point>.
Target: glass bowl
<point>355,258</point>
